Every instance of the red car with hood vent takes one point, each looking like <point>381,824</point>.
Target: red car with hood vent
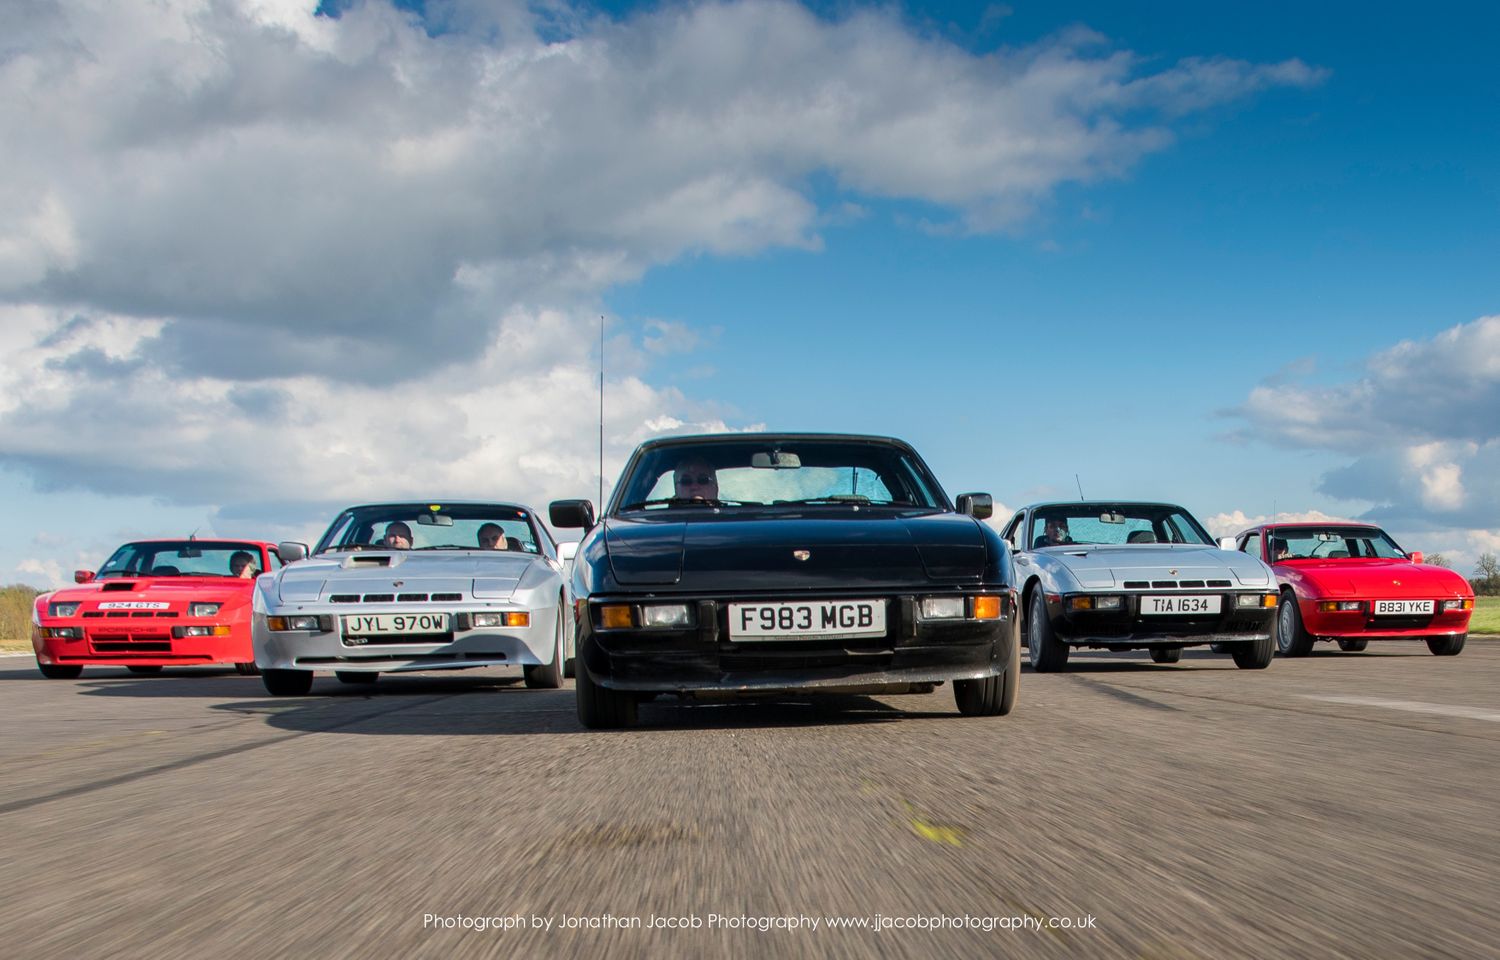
<point>1351,583</point>
<point>154,604</point>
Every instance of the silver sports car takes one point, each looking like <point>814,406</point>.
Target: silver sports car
<point>1126,576</point>
<point>415,586</point>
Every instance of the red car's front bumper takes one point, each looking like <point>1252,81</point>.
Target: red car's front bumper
<point>146,645</point>
<point>1363,624</point>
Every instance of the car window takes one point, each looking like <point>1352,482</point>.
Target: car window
<point>1335,543</point>
<point>432,527</point>
<point>1113,525</point>
<point>176,558</point>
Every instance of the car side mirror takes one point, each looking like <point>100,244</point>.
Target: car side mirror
<point>82,576</point>
<point>566,514</point>
<point>1416,556</point>
<point>291,551</point>
<point>1227,543</point>
<point>567,551</point>
<point>980,506</point>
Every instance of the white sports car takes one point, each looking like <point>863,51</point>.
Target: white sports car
<point>395,587</point>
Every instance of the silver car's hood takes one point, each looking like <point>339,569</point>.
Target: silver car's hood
<point>477,573</point>
<point>1107,565</point>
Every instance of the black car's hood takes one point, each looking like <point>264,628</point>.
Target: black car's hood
<point>865,549</point>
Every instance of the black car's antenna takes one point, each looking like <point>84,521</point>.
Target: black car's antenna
<point>601,413</point>
<point>1080,486</point>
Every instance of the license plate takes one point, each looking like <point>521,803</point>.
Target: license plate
<point>134,605</point>
<point>810,619</point>
<point>389,623</point>
<point>1398,608</point>
<point>1177,606</point>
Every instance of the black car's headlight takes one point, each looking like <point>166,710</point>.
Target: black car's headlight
<point>623,616</point>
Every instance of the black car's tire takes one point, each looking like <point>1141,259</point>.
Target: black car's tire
<point>247,669</point>
<point>60,671</point>
<point>1292,639</point>
<point>991,696</point>
<point>1353,646</point>
<point>549,676</point>
<point>600,708</point>
<point>143,669</point>
<point>1255,655</point>
<point>1446,646</point>
<point>1047,653</point>
<point>355,676</point>
<point>287,683</point>
<point>570,668</point>
<point>1166,654</point>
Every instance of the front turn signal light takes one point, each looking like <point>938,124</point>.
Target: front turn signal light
<point>986,608</point>
<point>616,617</point>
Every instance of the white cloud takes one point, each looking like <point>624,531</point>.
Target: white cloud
<point>1232,522</point>
<point>263,260</point>
<point>1420,424</point>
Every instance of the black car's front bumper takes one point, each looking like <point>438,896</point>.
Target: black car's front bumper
<point>704,658</point>
<point>1128,627</point>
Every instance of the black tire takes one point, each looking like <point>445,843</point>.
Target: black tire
<point>247,669</point>
<point>549,676</point>
<point>1292,639</point>
<point>1166,654</point>
<point>1353,646</point>
<point>60,671</point>
<point>992,696</point>
<point>1047,653</point>
<point>142,669</point>
<point>570,668</point>
<point>1446,646</point>
<point>356,676</point>
<point>600,708</point>
<point>1255,655</point>
<point>287,683</point>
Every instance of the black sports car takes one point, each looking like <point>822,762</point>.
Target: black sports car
<point>788,563</point>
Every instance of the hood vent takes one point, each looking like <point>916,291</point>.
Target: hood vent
<point>1174,584</point>
<point>369,561</point>
<point>114,587</point>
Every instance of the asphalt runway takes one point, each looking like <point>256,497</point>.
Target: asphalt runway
<point>1338,806</point>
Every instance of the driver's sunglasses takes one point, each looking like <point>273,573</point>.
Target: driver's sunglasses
<point>701,480</point>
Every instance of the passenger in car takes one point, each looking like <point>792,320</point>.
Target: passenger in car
<point>1056,532</point>
<point>397,536</point>
<point>695,479</point>
<point>491,537</point>
<point>242,564</point>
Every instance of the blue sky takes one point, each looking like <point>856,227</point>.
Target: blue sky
<point>1199,292</point>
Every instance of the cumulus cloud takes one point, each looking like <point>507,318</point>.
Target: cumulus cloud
<point>1421,426</point>
<point>1231,522</point>
<point>257,256</point>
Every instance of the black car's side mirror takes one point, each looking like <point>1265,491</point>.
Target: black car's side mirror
<point>571,513</point>
<point>980,506</point>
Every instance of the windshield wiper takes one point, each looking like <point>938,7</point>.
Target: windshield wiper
<point>684,502</point>
<point>832,498</point>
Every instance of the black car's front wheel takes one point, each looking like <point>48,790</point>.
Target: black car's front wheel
<point>600,708</point>
<point>1047,653</point>
<point>991,696</point>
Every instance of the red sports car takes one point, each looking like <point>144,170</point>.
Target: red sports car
<point>154,604</point>
<point>1351,583</point>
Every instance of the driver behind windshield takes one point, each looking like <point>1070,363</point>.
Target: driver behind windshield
<point>694,479</point>
<point>397,536</point>
<point>1057,531</point>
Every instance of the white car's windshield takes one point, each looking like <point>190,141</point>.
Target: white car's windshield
<point>1113,524</point>
<point>432,526</point>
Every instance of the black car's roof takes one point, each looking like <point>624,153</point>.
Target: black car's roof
<point>702,438</point>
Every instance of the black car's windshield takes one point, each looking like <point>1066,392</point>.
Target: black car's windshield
<point>432,526</point>
<point>1113,523</point>
<point>758,472</point>
<point>1332,543</point>
<point>184,558</point>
